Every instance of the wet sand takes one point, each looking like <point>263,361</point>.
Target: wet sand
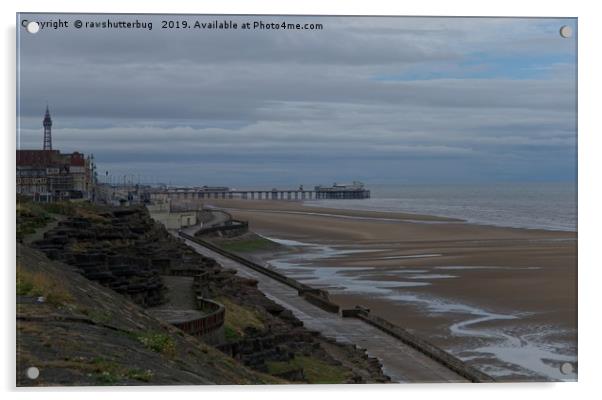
<point>504,299</point>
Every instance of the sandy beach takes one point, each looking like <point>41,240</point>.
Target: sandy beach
<point>504,299</point>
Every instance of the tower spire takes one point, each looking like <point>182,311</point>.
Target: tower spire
<point>47,130</point>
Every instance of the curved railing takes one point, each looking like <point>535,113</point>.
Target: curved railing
<point>215,312</point>
<point>208,323</point>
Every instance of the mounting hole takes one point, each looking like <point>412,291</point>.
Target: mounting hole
<point>32,373</point>
<point>566,31</point>
<point>33,27</point>
<point>566,368</point>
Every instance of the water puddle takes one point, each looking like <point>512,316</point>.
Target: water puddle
<point>409,256</point>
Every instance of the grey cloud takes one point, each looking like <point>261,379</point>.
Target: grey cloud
<point>193,98</point>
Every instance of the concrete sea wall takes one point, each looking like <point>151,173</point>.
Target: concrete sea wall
<point>232,228</point>
<point>320,298</point>
<point>425,347</point>
<point>315,296</point>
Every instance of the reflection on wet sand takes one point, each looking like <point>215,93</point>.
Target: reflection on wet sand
<point>501,350</point>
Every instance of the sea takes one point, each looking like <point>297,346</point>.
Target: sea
<point>551,206</point>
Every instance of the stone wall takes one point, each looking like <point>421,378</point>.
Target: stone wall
<point>113,253</point>
<point>104,238</point>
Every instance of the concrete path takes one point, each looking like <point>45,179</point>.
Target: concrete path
<point>219,218</point>
<point>182,303</point>
<point>400,362</point>
<point>180,292</point>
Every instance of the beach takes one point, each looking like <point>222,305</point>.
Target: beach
<point>503,299</point>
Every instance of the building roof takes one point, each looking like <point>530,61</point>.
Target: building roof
<point>37,157</point>
<point>77,159</point>
<point>44,158</point>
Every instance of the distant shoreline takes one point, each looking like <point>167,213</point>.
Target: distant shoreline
<point>310,207</point>
<point>337,206</point>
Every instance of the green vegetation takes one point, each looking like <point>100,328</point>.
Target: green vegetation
<point>159,342</point>
<point>104,371</point>
<point>33,215</point>
<point>247,245</point>
<point>24,285</point>
<point>238,318</point>
<point>59,207</point>
<point>314,370</point>
<point>140,375</point>
<point>230,334</point>
<point>42,284</point>
<point>98,316</point>
<point>30,217</point>
<point>109,372</point>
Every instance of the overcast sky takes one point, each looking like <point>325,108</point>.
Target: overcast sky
<point>382,100</point>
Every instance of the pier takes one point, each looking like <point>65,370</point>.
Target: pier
<point>353,191</point>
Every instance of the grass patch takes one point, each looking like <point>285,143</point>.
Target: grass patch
<point>251,244</point>
<point>314,370</point>
<point>98,316</point>
<point>106,372</point>
<point>34,215</point>
<point>231,334</point>
<point>238,318</point>
<point>24,285</point>
<point>140,375</point>
<point>42,284</point>
<point>30,217</point>
<point>109,372</point>
<point>159,342</point>
<point>60,207</point>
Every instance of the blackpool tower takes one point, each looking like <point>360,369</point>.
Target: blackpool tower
<point>47,130</point>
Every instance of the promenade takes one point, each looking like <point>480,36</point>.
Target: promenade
<point>400,362</point>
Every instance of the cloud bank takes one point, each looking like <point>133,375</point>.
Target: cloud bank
<point>385,100</point>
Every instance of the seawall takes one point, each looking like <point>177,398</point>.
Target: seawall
<point>319,298</point>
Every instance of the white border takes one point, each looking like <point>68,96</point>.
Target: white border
<point>590,69</point>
